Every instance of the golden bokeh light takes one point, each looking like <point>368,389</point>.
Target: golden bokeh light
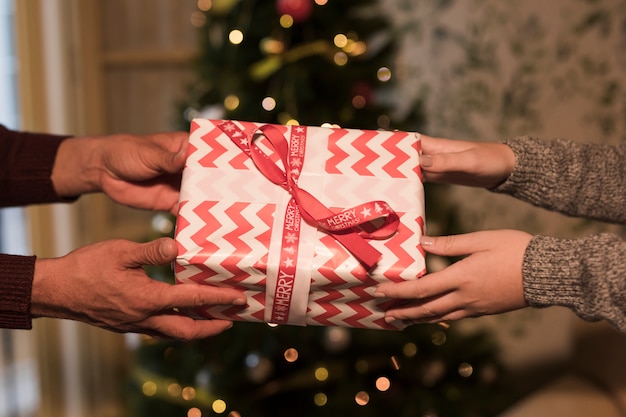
<point>291,355</point>
<point>286,21</point>
<point>194,412</point>
<point>235,36</point>
<point>321,374</point>
<point>383,383</point>
<point>149,388</point>
<point>362,398</point>
<point>383,74</point>
<point>218,406</point>
<point>320,399</point>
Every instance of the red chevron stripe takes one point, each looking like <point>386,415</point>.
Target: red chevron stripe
<point>211,224</point>
<point>241,249</point>
<point>330,310</point>
<point>417,145</point>
<point>394,245</point>
<point>216,149</point>
<point>400,157</point>
<point>266,214</point>
<point>328,269</point>
<point>260,315</point>
<point>362,144</point>
<point>361,313</point>
<point>338,154</point>
<point>239,161</point>
<point>190,149</point>
<point>420,248</point>
<point>181,224</point>
<point>194,125</point>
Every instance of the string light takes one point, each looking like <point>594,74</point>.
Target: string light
<point>149,388</point>
<point>205,5</point>
<point>383,74</point>
<point>189,393</point>
<point>268,103</point>
<point>321,374</point>
<point>340,58</point>
<point>383,383</point>
<point>409,350</point>
<point>235,36</point>
<point>218,406</point>
<point>231,102</point>
<point>438,338</point>
<point>194,412</point>
<point>340,40</point>
<point>466,370</point>
<point>286,21</point>
<point>362,398</point>
<point>174,389</point>
<point>320,399</point>
<point>291,355</point>
<point>321,2</point>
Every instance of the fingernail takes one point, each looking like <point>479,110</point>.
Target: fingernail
<point>239,301</point>
<point>379,294</point>
<point>389,319</point>
<point>427,241</point>
<point>426,161</point>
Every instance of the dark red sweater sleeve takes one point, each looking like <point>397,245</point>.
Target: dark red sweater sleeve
<point>26,161</point>
<point>16,283</point>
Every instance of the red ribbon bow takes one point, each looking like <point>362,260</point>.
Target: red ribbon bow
<point>350,227</point>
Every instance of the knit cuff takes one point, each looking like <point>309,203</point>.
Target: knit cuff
<point>16,283</point>
<point>583,274</point>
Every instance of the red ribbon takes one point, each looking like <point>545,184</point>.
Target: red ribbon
<point>350,227</point>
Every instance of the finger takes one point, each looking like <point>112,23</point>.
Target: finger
<point>157,252</point>
<point>458,245</point>
<point>196,295</point>
<point>431,146</point>
<point>185,328</point>
<point>432,310</point>
<point>428,286</point>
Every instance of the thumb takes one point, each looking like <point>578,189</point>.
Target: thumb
<point>163,160</point>
<point>157,252</point>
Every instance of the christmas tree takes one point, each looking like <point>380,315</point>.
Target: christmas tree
<point>309,63</point>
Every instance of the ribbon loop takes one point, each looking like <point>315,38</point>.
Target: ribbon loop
<point>371,220</point>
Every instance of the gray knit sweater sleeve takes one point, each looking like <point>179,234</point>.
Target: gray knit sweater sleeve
<point>587,275</point>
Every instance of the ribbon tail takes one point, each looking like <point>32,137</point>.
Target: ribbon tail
<point>363,251</point>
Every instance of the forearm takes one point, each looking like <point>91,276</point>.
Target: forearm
<point>16,278</point>
<point>581,180</point>
<point>587,275</point>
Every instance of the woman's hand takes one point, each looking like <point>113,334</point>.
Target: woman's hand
<point>474,164</point>
<point>487,281</point>
<point>105,285</point>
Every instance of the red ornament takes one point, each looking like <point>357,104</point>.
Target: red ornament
<point>299,10</point>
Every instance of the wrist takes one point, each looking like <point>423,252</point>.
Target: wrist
<point>77,167</point>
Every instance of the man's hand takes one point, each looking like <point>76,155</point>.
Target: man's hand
<point>105,285</point>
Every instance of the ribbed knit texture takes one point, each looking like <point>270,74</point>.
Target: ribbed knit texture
<point>588,274</point>
<point>16,275</point>
<point>26,161</point>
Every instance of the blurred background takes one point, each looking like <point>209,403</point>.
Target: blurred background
<point>474,69</point>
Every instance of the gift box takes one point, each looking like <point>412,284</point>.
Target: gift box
<point>306,221</point>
